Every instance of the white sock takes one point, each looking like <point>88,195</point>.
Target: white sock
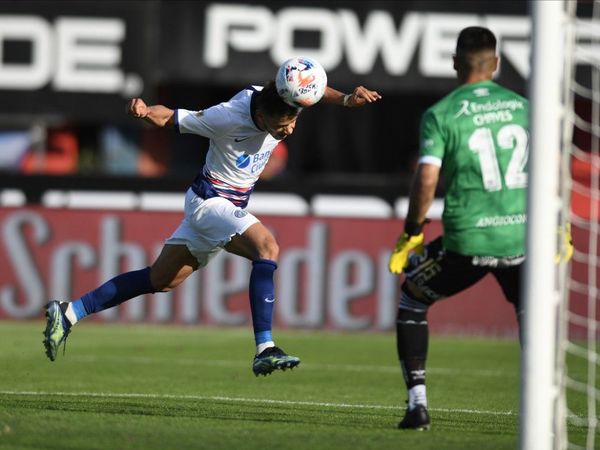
<point>417,395</point>
<point>70,314</point>
<point>261,347</point>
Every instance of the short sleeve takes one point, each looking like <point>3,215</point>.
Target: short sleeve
<point>211,123</point>
<point>432,138</point>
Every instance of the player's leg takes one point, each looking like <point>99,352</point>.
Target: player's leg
<point>509,279</point>
<point>429,278</point>
<point>217,223</point>
<point>174,264</point>
<point>259,246</point>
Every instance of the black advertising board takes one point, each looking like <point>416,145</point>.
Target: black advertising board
<point>82,59</point>
<point>78,59</point>
<point>394,46</point>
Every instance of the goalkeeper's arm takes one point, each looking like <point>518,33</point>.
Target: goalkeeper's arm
<point>422,193</point>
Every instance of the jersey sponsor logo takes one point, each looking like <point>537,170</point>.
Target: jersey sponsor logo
<point>501,221</point>
<point>490,111</point>
<point>269,299</point>
<point>240,139</point>
<point>242,161</point>
<point>464,109</point>
<point>493,261</point>
<point>259,161</point>
<point>240,213</point>
<point>468,108</point>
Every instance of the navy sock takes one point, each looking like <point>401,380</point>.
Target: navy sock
<point>114,292</point>
<point>262,298</point>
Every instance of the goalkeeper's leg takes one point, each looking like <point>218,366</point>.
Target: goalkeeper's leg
<point>412,338</point>
<point>509,279</point>
<point>433,276</point>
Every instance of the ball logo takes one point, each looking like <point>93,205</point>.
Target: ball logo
<point>301,82</point>
<point>242,161</point>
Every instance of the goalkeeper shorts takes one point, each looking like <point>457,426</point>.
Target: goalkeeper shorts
<point>440,273</point>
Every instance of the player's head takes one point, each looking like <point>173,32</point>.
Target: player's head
<point>476,52</point>
<point>273,114</point>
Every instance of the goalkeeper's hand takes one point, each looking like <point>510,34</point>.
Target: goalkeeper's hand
<point>405,245</point>
<point>565,252</point>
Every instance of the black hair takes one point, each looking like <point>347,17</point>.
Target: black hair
<point>474,39</point>
<point>271,104</point>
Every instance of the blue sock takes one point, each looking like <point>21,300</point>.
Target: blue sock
<point>262,298</point>
<point>114,292</point>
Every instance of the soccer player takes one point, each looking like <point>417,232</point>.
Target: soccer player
<point>478,135</point>
<point>243,132</point>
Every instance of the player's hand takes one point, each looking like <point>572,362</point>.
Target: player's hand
<point>361,96</point>
<point>405,245</point>
<point>565,252</point>
<point>137,108</point>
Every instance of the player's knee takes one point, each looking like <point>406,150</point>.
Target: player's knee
<point>163,282</point>
<point>160,283</point>
<point>269,249</point>
<point>417,298</point>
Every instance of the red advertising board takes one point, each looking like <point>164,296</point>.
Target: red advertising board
<point>332,272</point>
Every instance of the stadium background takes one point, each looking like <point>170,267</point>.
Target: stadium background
<point>66,70</point>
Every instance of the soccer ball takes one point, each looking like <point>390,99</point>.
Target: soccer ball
<point>301,82</point>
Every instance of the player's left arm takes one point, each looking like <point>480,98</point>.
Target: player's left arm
<point>359,97</point>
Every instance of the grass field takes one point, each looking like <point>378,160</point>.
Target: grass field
<point>155,387</point>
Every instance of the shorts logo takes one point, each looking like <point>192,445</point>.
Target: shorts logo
<point>242,161</point>
<point>239,213</point>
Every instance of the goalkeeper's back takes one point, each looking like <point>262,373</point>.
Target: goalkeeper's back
<point>480,133</point>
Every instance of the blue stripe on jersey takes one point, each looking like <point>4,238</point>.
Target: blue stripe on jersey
<point>203,188</point>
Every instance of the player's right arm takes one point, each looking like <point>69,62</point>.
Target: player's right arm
<point>421,196</point>
<point>158,115</point>
<point>422,193</point>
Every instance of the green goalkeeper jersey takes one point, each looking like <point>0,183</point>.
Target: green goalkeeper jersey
<point>479,134</point>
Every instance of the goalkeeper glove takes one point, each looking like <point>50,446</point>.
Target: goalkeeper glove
<point>405,245</point>
<point>565,251</point>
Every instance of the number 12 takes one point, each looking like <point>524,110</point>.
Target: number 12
<point>509,137</point>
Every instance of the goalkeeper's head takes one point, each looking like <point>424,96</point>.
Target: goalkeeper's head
<point>475,53</point>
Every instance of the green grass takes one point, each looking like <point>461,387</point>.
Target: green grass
<point>155,387</point>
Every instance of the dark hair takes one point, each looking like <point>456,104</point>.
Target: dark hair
<point>270,103</point>
<point>474,39</point>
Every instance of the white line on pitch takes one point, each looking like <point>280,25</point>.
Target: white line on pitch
<point>316,366</point>
<point>243,400</point>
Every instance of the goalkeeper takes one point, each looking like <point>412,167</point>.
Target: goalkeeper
<point>478,134</point>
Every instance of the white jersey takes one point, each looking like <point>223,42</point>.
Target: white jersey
<point>238,149</point>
